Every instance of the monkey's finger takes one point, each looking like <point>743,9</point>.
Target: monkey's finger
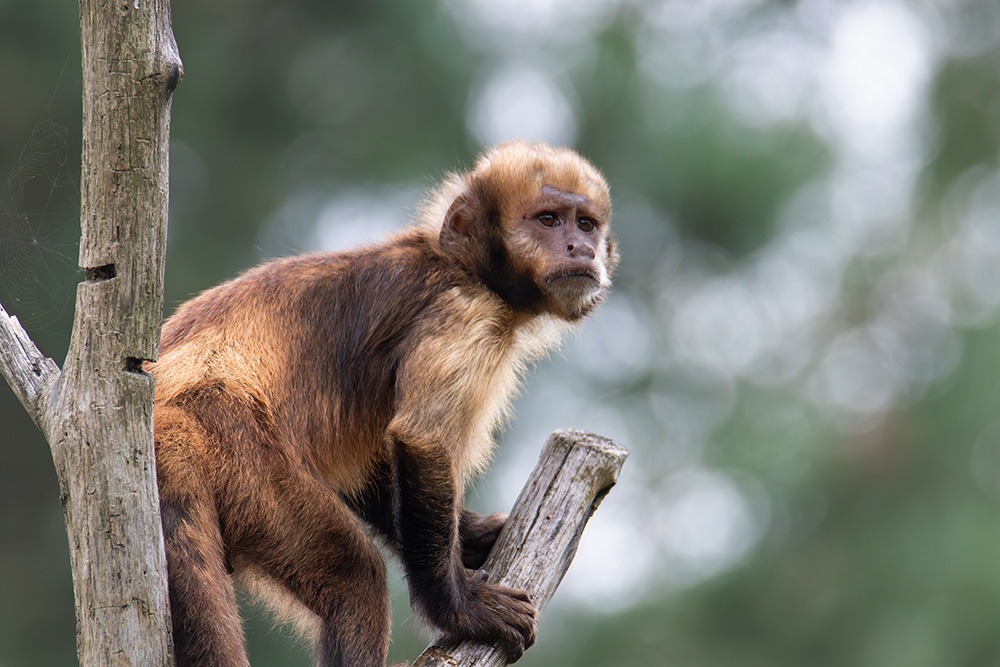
<point>518,607</point>
<point>513,654</point>
<point>522,640</point>
<point>516,643</point>
<point>521,617</point>
<point>517,594</point>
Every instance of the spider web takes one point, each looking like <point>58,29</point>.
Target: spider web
<point>39,230</point>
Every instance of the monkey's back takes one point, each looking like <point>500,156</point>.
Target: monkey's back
<point>300,356</point>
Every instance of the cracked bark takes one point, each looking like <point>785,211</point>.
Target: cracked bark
<point>96,413</point>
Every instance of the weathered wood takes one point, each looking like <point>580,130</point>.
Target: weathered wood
<point>103,448</point>
<point>97,412</point>
<point>130,67</point>
<point>538,542</point>
<point>30,373</point>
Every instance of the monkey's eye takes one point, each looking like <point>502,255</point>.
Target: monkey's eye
<point>548,219</point>
<point>585,224</point>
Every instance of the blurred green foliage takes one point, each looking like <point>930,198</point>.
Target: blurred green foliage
<point>802,350</point>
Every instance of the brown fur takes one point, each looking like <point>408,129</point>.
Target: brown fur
<point>317,398</point>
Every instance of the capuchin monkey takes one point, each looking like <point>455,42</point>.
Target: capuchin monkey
<point>318,403</point>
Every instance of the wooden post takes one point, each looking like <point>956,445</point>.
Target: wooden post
<point>574,473</point>
<point>97,412</point>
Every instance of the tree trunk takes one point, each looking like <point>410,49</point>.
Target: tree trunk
<point>574,473</point>
<point>97,412</point>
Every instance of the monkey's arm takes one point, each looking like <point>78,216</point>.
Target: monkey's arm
<point>476,533</point>
<point>440,432</point>
<point>463,607</point>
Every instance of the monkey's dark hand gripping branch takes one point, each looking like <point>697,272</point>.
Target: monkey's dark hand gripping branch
<point>462,606</point>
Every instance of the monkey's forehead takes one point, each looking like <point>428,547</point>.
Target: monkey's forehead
<point>522,170</point>
<point>563,197</point>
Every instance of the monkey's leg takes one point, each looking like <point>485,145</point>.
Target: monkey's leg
<point>477,534</point>
<point>313,546</point>
<point>203,608</point>
<point>377,504</point>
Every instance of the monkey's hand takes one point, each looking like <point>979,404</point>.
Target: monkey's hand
<point>478,534</point>
<point>495,614</point>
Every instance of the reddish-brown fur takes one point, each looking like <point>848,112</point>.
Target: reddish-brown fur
<point>317,399</point>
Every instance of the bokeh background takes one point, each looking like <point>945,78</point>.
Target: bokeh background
<point>803,346</point>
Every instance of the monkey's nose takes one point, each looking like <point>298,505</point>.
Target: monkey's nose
<point>585,249</point>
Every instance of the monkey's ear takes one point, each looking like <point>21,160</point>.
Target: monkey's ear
<point>458,223</point>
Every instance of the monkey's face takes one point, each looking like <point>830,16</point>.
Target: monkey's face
<point>562,238</point>
<point>534,223</point>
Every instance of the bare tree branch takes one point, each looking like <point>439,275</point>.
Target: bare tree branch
<point>574,472</point>
<point>29,372</point>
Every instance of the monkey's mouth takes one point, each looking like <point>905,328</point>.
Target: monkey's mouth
<point>572,286</point>
<point>581,277</point>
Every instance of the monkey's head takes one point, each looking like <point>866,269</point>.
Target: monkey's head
<point>534,223</point>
